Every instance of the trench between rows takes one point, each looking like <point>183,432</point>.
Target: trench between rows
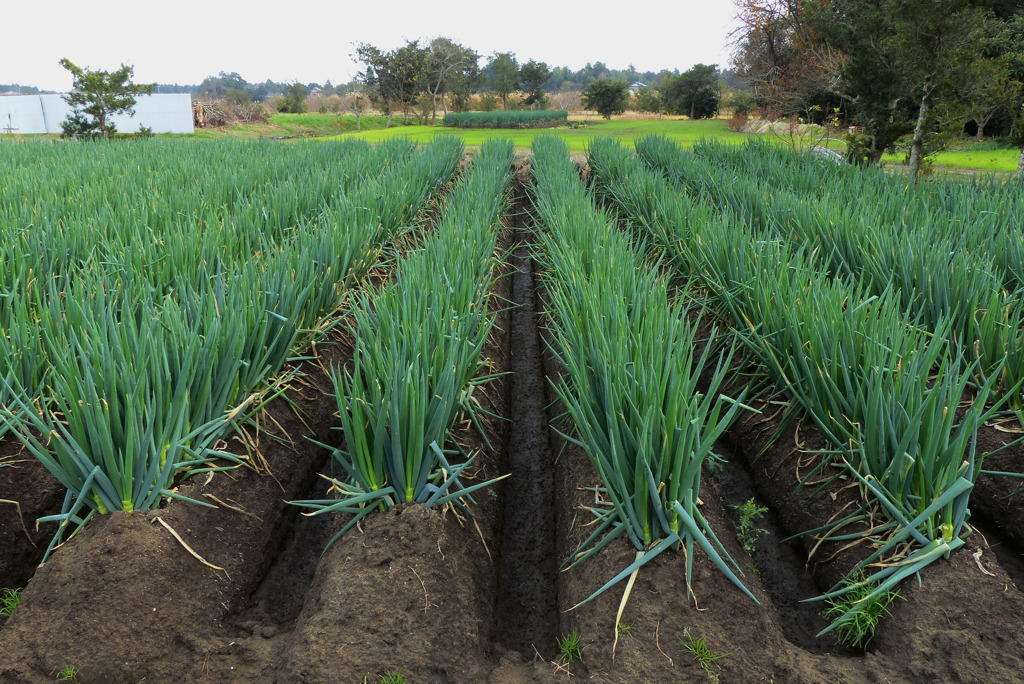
<point>526,611</point>
<point>780,567</point>
<point>281,594</point>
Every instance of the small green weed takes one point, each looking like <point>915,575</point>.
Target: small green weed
<point>68,674</point>
<point>749,532</point>
<point>392,677</point>
<point>9,600</point>
<point>858,628</point>
<point>702,653</point>
<point>569,647</point>
<point>626,628</point>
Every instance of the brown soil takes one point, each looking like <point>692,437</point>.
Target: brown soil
<point>443,598</point>
<point>27,492</point>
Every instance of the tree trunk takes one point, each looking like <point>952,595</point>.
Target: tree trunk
<point>982,122</point>
<point>917,145</point>
<point>390,117</point>
<point>433,108</point>
<point>1020,166</point>
<point>874,155</point>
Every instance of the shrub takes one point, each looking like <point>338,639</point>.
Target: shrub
<point>507,119</point>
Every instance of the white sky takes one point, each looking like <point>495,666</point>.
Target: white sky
<point>312,41</point>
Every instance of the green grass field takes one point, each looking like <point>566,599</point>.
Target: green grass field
<point>984,156</point>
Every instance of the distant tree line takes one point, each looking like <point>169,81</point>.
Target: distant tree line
<point>18,88</point>
<point>417,79</point>
<point>231,86</point>
<point>420,79</point>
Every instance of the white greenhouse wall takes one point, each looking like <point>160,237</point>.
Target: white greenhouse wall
<point>164,113</point>
<point>21,114</point>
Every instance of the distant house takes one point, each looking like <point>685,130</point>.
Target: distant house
<point>635,87</point>
<point>164,113</point>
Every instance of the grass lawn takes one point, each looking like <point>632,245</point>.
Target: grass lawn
<point>682,131</point>
<point>983,156</point>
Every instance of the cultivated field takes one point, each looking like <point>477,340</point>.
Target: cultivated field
<point>342,412</point>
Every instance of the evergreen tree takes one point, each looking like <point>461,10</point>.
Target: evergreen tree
<point>97,96</point>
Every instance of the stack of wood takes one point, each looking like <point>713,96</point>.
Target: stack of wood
<point>207,113</point>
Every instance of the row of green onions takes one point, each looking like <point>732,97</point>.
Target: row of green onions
<point>418,357</point>
<point>631,377</point>
<point>938,262</point>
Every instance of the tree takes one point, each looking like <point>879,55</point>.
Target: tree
<point>294,101</point>
<point>907,67</point>
<point>693,92</point>
<point>606,97</point>
<point>503,75</point>
<point>937,46</point>
<point>994,90</point>
<point>392,79</point>
<point>223,83</point>
<point>1006,45</point>
<point>1019,140</point>
<point>358,104</point>
<point>446,67</point>
<point>779,55</point>
<point>532,77</point>
<point>647,100</point>
<point>871,80</point>
<point>741,103</point>
<point>593,72</point>
<point>97,96</point>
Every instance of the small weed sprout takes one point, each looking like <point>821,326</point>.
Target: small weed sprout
<point>858,628</point>
<point>702,653</point>
<point>68,674</point>
<point>626,629</point>
<point>569,647</point>
<point>749,532</point>
<point>392,677</point>
<point>9,600</point>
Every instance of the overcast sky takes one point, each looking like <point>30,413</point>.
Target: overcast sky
<point>312,42</point>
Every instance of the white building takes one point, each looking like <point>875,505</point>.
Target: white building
<point>164,113</point>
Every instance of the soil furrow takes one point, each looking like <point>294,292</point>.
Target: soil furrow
<point>527,617</point>
<point>27,492</point>
<point>780,567</point>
